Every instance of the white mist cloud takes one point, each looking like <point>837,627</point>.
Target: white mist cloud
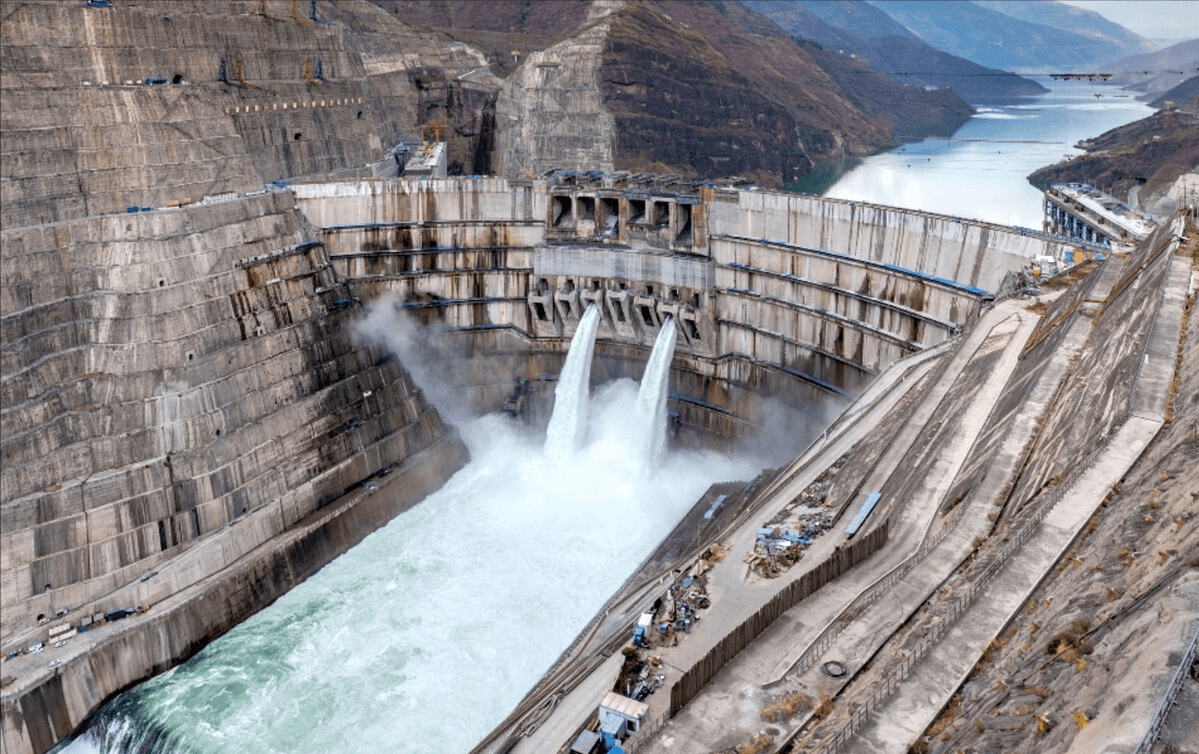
<point>417,346</point>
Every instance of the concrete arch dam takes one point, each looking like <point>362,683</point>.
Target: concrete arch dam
<point>775,295</point>
<point>245,428</point>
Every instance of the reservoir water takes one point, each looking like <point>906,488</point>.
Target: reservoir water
<point>425,635</point>
<point>981,171</point>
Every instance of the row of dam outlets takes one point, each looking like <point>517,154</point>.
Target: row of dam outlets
<point>793,297</point>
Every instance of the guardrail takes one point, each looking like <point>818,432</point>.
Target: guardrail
<point>997,562</point>
<point>1163,707</point>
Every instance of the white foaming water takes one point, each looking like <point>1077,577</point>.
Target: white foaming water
<point>650,421</point>
<point>425,635</point>
<point>568,423</point>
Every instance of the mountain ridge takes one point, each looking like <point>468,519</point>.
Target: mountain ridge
<point>909,60</point>
<point>986,36</point>
<point>1151,74</point>
<point>705,89</point>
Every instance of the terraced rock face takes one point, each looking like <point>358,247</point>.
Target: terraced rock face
<point>248,95</point>
<point>551,111</point>
<point>701,89</point>
<point>1082,667</point>
<point>181,388</point>
<point>157,389</point>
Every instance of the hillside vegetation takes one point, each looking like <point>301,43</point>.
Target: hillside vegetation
<point>1150,153</point>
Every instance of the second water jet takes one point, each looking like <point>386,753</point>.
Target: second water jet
<point>650,416</point>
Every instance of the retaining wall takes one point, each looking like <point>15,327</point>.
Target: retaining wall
<point>171,380</point>
<point>844,558</point>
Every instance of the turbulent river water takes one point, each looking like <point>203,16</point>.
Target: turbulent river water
<point>423,637</point>
<point>981,171</point>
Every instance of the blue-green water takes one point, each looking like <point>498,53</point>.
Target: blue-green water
<point>981,171</point>
<point>424,636</point>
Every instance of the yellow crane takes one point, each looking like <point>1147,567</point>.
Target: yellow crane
<point>435,127</point>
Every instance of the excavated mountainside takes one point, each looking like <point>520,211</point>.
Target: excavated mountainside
<point>504,31</point>
<point>702,89</point>
<point>1107,621</point>
<point>248,95</point>
<point>189,424</point>
<point>416,76</point>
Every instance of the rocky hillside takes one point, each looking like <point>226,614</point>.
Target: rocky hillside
<point>249,95</point>
<point>702,89</point>
<point>1148,154</point>
<point>1187,90</point>
<point>860,29</point>
<point>179,376</point>
<point>1154,73</point>
<point>1072,667</point>
<point>503,31</point>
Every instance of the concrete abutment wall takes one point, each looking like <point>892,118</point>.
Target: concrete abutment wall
<point>189,425</point>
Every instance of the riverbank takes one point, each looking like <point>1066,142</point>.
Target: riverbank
<point>53,692</point>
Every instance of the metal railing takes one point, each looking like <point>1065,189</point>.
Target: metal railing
<point>1167,701</point>
<point>998,561</point>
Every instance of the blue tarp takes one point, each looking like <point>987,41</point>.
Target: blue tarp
<point>863,512</point>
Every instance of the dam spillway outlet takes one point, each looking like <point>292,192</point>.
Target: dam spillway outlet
<point>568,423</point>
<point>650,418</point>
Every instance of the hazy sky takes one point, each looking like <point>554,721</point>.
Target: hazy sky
<point>1172,20</point>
